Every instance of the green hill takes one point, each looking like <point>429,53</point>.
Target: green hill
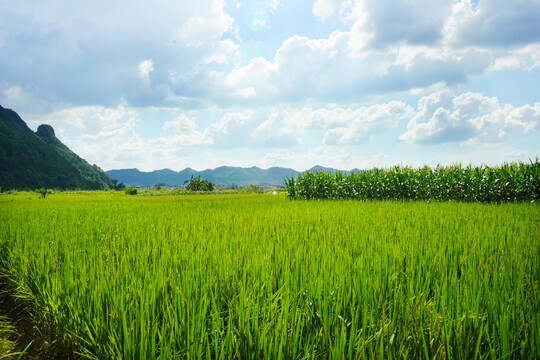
<point>32,160</point>
<point>224,175</point>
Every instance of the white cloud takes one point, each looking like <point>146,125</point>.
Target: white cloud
<point>398,47</point>
<point>248,92</point>
<point>329,70</point>
<point>190,52</point>
<point>14,94</point>
<point>273,132</point>
<point>493,23</point>
<point>367,118</point>
<point>177,142</point>
<point>105,135</point>
<point>341,126</point>
<point>367,122</point>
<point>462,22</point>
<point>526,58</point>
<point>228,120</point>
<point>78,61</point>
<point>258,22</point>
<point>208,26</point>
<point>323,9</point>
<point>15,97</point>
<point>94,121</point>
<point>85,53</point>
<point>400,21</point>
<point>145,68</point>
<point>273,5</point>
<point>442,117</point>
<point>181,124</point>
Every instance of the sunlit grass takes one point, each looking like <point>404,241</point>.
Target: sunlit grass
<point>258,276</point>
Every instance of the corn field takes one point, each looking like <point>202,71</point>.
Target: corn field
<point>113,276</point>
<point>506,183</point>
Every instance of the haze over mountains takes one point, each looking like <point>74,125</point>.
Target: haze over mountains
<point>223,175</point>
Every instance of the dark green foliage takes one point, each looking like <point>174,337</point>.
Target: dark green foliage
<point>131,191</point>
<point>199,184</point>
<point>31,160</point>
<point>509,182</point>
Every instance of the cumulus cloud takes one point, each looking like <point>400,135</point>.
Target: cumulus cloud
<point>330,70</point>
<point>400,21</point>
<point>493,23</point>
<point>248,92</point>
<point>335,125</point>
<point>382,116</point>
<point>323,9</point>
<point>462,22</point>
<point>99,134</point>
<point>82,54</point>
<point>273,132</point>
<point>526,58</point>
<point>89,52</point>
<point>205,26</point>
<point>94,121</point>
<point>364,123</point>
<point>402,46</point>
<point>181,124</point>
<point>83,59</point>
<point>442,117</point>
<point>145,68</point>
<point>229,120</point>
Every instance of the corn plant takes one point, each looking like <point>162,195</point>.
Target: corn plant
<point>506,183</point>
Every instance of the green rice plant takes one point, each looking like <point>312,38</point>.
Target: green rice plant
<point>506,183</point>
<point>255,276</point>
<point>6,337</point>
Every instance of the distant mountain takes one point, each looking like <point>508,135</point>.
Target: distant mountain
<point>223,175</point>
<point>31,160</point>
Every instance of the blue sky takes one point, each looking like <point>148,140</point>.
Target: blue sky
<point>339,83</point>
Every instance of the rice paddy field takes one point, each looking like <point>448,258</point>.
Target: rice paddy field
<point>112,276</point>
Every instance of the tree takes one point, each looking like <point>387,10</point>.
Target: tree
<point>199,184</point>
<point>160,185</point>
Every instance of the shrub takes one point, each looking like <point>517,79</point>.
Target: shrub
<point>251,189</point>
<point>131,191</point>
<point>42,193</point>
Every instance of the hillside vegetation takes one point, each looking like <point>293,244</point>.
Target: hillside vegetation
<point>223,175</point>
<point>31,160</point>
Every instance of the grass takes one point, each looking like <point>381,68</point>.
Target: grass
<point>6,337</point>
<point>258,276</point>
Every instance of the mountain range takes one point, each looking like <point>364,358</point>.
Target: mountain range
<point>223,175</point>
<point>32,160</point>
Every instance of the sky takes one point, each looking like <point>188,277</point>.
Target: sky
<point>292,83</point>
